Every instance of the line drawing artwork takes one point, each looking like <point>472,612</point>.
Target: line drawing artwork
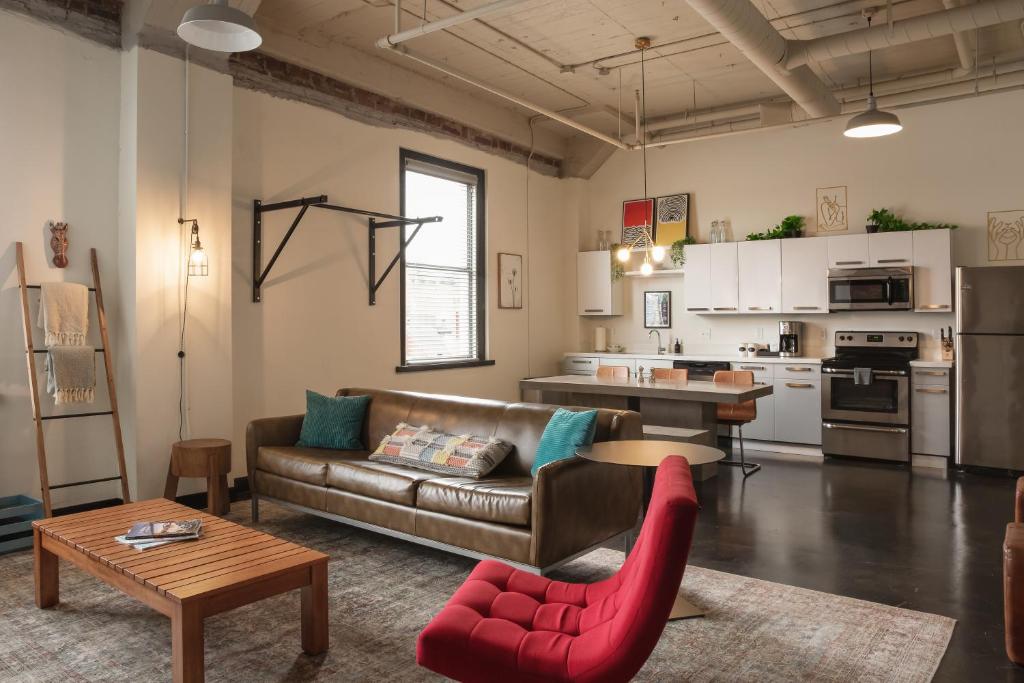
<point>510,280</point>
<point>831,203</point>
<point>1006,235</point>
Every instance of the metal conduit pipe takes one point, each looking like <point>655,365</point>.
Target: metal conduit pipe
<point>447,22</point>
<point>932,25</point>
<point>704,116</point>
<point>743,25</point>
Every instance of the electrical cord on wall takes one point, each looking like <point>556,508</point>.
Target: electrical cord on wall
<point>183,269</point>
<point>527,281</point>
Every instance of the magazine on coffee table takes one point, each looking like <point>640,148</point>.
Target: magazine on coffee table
<point>167,530</point>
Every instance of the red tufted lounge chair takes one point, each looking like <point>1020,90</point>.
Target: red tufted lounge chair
<point>507,625</point>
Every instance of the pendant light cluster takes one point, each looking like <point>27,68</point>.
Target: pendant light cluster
<point>872,123</point>
<point>653,253</point>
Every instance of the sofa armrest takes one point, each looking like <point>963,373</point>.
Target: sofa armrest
<point>1018,502</point>
<point>578,503</point>
<point>269,431</point>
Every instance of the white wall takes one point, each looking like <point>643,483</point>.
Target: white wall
<point>952,163</point>
<point>314,328</point>
<point>59,136</point>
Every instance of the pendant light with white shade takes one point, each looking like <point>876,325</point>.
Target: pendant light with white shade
<point>653,253</point>
<point>220,27</point>
<point>872,123</point>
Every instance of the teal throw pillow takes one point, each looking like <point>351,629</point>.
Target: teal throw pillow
<point>567,430</point>
<point>333,422</point>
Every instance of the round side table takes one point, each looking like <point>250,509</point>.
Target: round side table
<point>648,455</point>
<point>209,459</point>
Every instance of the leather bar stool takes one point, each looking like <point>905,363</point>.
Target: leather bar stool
<point>209,459</point>
<point>671,374</point>
<point>613,371</point>
<point>737,414</point>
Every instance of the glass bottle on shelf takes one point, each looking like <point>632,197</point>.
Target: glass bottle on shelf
<point>714,232</point>
<point>723,229</point>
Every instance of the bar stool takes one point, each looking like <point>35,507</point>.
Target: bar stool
<point>737,414</point>
<point>671,374</point>
<point>613,371</point>
<point>209,459</point>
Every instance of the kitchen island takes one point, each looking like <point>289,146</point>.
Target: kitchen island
<point>665,403</point>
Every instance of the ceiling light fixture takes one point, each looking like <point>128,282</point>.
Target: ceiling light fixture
<point>219,27</point>
<point>645,240</point>
<point>872,123</point>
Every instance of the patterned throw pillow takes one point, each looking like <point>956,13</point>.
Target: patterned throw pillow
<point>460,455</point>
<point>333,422</point>
<point>566,431</point>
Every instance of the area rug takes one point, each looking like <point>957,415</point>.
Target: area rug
<point>384,591</point>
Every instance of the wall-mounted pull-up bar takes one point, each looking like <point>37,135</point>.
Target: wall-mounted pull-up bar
<point>259,273</point>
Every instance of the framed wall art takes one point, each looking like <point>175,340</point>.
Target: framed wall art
<point>1006,235</point>
<point>657,310</point>
<point>637,213</point>
<point>672,214</point>
<point>831,203</point>
<point>510,280</point>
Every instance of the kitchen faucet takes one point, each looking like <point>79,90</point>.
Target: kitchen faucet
<point>661,349</point>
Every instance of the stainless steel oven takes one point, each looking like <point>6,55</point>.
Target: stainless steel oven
<point>871,289</point>
<point>886,400</point>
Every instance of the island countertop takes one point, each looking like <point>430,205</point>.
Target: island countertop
<point>705,392</point>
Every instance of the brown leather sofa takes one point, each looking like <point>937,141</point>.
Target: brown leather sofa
<point>536,523</point>
<point>1013,579</point>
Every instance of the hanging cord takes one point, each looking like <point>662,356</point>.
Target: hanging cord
<point>527,281</point>
<point>643,148</point>
<point>187,228</point>
<point>871,72</point>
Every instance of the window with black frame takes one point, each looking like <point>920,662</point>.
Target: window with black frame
<point>443,295</point>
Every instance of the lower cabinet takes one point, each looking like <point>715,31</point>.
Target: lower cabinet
<point>763,428</point>
<point>930,408</point>
<point>797,411</point>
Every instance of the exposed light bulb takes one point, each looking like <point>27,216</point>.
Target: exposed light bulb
<point>622,254</point>
<point>658,253</point>
<point>198,255</point>
<point>646,268</point>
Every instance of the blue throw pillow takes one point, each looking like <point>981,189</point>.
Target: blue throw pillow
<point>333,422</point>
<point>567,430</point>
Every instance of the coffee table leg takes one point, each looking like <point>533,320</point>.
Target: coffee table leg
<point>187,643</point>
<point>314,611</point>
<point>46,574</point>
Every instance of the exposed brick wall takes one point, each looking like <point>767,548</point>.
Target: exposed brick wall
<point>98,20</point>
<point>258,71</point>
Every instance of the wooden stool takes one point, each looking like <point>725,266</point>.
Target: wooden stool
<point>206,458</point>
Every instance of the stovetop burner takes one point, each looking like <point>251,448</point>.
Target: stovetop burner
<point>877,350</point>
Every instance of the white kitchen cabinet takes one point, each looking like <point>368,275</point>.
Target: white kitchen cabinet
<point>848,251</point>
<point>697,278</point>
<point>797,411</point>
<point>649,363</point>
<point>759,268</point>
<point>891,249</point>
<point>929,419</point>
<point>596,293</point>
<point>724,278</point>
<point>804,275</point>
<point>933,271</point>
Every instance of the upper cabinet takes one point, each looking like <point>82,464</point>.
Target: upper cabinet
<point>933,271</point>
<point>848,251</point>
<point>724,278</point>
<point>596,293</point>
<point>804,269</point>
<point>891,249</point>
<point>697,278</point>
<point>760,276</point>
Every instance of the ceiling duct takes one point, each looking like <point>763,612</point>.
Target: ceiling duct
<point>743,25</point>
<point>932,25</point>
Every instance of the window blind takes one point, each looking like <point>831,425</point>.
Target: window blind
<point>441,270</point>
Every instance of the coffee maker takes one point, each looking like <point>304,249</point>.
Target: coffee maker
<point>790,332</point>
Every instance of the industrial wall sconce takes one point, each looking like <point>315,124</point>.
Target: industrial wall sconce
<point>198,262</point>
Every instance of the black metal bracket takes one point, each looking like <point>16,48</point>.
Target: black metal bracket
<point>259,273</point>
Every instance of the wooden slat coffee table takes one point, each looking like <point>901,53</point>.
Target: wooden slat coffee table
<point>229,566</point>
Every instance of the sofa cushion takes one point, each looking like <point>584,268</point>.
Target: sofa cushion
<point>460,455</point>
<point>566,431</point>
<point>376,479</point>
<point>333,421</point>
<point>302,464</point>
<point>504,500</point>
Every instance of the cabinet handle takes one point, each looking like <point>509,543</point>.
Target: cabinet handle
<point>849,263</point>
<point>580,362</point>
<point>724,308</point>
<point>696,309</point>
<point>806,308</point>
<point>593,310</point>
<point>892,260</point>
<point>752,367</point>
<point>930,390</point>
<point>933,307</point>
<point>758,308</point>
<point>930,373</point>
<point>797,369</point>
<point>864,428</point>
<point>799,385</point>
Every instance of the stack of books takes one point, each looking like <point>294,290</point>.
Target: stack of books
<point>145,535</point>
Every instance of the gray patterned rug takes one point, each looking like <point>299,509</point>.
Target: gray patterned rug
<point>384,591</point>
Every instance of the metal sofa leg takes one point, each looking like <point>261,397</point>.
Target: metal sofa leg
<point>255,508</point>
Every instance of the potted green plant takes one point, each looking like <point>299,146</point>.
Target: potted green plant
<point>884,220</point>
<point>790,226</point>
<point>618,269</point>
<point>678,253</point>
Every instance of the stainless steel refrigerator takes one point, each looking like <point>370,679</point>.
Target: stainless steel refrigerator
<point>990,367</point>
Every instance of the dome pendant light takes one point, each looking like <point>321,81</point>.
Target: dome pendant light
<point>219,27</point>
<point>872,123</point>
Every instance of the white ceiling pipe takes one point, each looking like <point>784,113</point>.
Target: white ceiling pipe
<point>722,123</point>
<point>703,116</point>
<point>744,26</point>
<point>551,114</point>
<point>447,22</point>
<point>932,25</point>
<point>963,48</point>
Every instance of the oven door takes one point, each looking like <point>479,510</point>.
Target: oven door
<point>885,401</point>
<point>882,289</point>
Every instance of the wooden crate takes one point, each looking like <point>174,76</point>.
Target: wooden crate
<point>16,515</point>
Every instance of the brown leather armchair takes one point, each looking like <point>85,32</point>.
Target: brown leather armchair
<point>537,523</point>
<point>1013,579</point>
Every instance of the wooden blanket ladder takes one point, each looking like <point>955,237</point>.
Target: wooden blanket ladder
<point>108,365</point>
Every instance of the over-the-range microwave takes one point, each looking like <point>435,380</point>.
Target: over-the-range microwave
<point>871,289</point>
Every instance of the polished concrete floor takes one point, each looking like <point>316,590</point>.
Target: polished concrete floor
<point>918,539</point>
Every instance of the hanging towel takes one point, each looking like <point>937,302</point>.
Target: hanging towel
<point>862,376</point>
<point>64,313</point>
<point>71,374</point>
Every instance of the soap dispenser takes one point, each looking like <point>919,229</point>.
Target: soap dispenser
<point>677,347</point>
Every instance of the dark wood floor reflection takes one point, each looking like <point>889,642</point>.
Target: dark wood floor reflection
<point>918,539</point>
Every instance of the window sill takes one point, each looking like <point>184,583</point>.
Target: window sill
<point>451,365</point>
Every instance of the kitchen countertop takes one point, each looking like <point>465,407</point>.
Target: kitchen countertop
<point>704,392</point>
<point>931,363</point>
<point>695,357</point>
